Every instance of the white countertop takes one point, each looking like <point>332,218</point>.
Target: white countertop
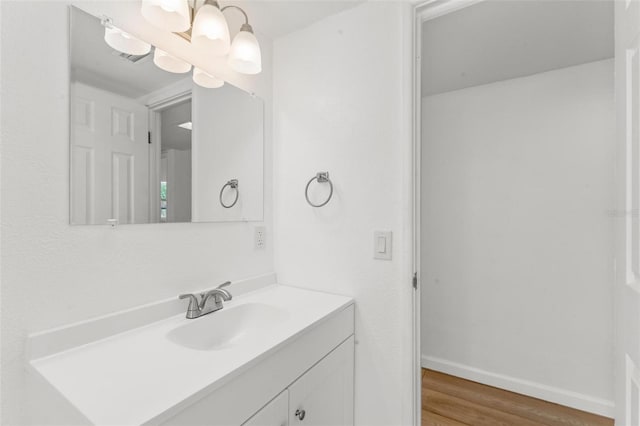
<point>135,376</point>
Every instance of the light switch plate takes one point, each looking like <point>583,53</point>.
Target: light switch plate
<point>382,245</point>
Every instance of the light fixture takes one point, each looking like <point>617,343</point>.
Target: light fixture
<point>204,79</point>
<point>122,41</point>
<point>170,15</point>
<point>188,125</point>
<point>210,30</point>
<point>201,22</point>
<point>170,63</point>
<point>245,56</point>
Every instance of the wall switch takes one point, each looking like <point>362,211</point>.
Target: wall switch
<point>259,241</point>
<point>382,245</point>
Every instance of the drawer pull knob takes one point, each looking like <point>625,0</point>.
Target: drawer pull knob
<point>300,414</point>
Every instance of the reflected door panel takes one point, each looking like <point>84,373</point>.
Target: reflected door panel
<point>109,158</point>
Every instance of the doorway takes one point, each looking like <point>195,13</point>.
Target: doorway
<point>517,185</point>
<point>170,121</point>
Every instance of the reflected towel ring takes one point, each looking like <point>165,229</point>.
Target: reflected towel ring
<point>321,177</point>
<point>233,184</point>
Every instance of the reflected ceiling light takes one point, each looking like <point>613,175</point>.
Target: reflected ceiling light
<point>170,63</point>
<point>210,30</point>
<point>122,41</point>
<point>188,125</point>
<point>204,79</point>
<point>203,23</point>
<point>170,15</point>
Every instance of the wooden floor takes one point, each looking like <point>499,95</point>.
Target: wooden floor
<point>448,400</point>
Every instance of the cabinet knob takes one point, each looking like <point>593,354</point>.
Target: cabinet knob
<point>300,414</point>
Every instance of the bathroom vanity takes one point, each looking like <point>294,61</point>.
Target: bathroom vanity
<point>276,355</point>
<point>169,149</point>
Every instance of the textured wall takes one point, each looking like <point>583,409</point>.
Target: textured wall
<point>517,190</point>
<point>53,273</point>
<point>341,105</point>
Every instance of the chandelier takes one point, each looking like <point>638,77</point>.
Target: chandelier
<point>203,23</point>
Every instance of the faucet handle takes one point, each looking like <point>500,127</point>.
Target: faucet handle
<point>193,301</point>
<point>224,284</point>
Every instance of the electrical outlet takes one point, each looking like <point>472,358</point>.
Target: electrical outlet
<point>259,241</point>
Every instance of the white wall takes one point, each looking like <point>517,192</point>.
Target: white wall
<point>517,261</point>
<point>54,273</point>
<point>178,185</point>
<point>228,132</point>
<point>341,99</point>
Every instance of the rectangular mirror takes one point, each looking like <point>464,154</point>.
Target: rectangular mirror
<point>149,146</point>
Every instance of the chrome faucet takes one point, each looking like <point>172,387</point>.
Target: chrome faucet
<point>198,306</point>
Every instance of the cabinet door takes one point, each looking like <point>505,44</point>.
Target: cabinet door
<point>323,396</point>
<point>274,413</point>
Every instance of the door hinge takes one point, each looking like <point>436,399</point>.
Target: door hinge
<point>149,136</point>
<point>415,280</point>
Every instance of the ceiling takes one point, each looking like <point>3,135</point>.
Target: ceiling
<point>498,40</point>
<point>275,18</point>
<point>93,62</point>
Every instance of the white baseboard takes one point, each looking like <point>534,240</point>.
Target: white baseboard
<point>564,397</point>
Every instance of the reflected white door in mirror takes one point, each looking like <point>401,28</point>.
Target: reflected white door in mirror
<point>150,146</point>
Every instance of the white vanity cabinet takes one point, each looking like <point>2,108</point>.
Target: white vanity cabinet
<point>287,350</point>
<point>275,413</point>
<point>323,396</point>
<point>316,370</point>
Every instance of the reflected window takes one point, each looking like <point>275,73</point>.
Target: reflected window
<point>163,200</point>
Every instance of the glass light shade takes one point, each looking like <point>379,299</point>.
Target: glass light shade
<point>245,56</point>
<point>201,78</point>
<point>169,15</point>
<point>210,31</point>
<point>124,42</point>
<point>170,63</point>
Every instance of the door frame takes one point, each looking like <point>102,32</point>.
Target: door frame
<point>155,133</point>
<point>422,12</point>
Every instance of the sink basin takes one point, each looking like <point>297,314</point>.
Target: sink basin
<point>227,327</point>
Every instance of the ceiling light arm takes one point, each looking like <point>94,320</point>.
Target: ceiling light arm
<point>197,4</point>
<point>245,26</point>
<point>196,7</point>
<point>211,2</point>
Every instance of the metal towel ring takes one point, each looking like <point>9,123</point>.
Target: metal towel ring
<point>233,184</point>
<point>321,177</point>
